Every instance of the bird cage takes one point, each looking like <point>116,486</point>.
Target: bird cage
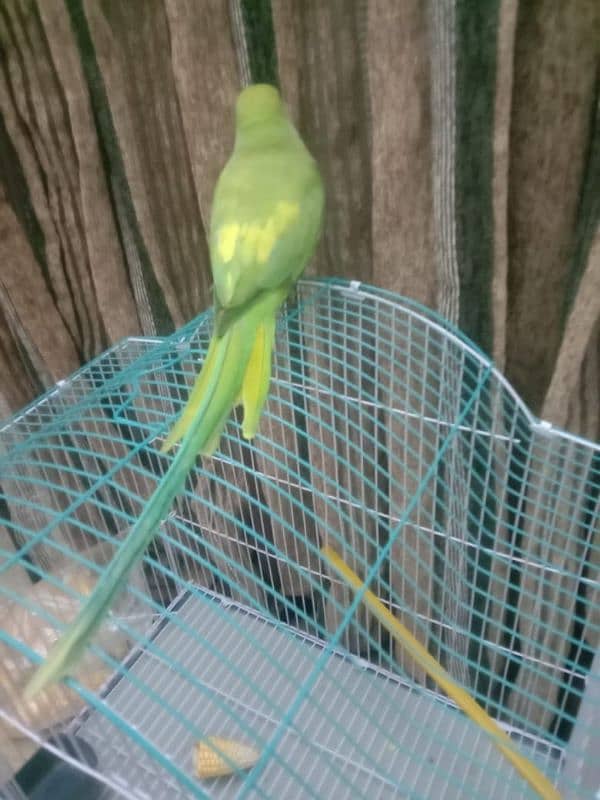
<point>387,437</point>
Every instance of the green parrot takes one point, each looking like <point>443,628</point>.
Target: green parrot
<point>266,219</point>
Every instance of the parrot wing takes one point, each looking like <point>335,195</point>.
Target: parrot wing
<point>262,238</point>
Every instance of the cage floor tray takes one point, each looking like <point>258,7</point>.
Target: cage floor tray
<point>405,742</point>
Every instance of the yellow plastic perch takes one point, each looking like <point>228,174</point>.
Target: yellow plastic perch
<point>536,779</point>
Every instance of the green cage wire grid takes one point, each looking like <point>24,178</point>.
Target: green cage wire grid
<point>387,435</point>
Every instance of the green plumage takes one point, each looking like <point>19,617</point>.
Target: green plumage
<point>266,218</point>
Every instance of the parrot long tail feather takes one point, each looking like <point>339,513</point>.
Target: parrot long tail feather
<point>195,398</point>
<point>221,384</point>
<point>229,364</point>
<point>212,443</point>
<point>67,651</point>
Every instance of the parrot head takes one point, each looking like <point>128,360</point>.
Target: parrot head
<point>259,102</point>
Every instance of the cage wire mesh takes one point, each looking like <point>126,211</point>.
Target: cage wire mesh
<point>388,436</point>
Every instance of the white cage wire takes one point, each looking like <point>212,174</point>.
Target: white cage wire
<point>387,435</point>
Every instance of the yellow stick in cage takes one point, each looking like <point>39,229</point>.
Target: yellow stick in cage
<point>526,769</point>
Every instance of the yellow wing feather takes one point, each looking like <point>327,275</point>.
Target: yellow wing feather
<point>251,242</point>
